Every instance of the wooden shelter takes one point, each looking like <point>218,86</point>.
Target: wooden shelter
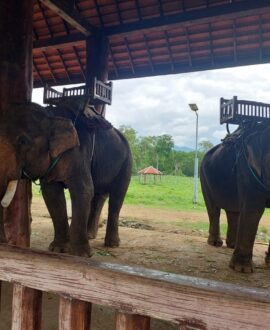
<point>149,172</point>
<point>147,37</point>
<point>76,41</point>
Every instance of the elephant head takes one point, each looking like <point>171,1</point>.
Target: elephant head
<point>30,140</point>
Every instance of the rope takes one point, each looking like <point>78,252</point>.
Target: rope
<point>50,168</point>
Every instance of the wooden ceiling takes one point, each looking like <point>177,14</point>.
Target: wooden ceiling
<point>148,37</point>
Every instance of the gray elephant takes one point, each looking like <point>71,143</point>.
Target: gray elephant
<point>65,149</point>
<point>235,176</point>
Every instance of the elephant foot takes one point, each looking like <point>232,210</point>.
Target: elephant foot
<point>242,264</point>
<point>59,247</point>
<point>92,235</point>
<point>217,242</point>
<point>267,257</point>
<point>82,250</point>
<point>230,244</point>
<point>112,241</point>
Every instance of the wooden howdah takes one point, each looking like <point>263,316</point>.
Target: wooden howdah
<point>238,112</point>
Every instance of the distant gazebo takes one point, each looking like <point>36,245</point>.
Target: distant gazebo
<point>149,172</point>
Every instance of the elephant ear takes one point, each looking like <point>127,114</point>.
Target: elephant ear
<point>254,152</point>
<point>63,136</point>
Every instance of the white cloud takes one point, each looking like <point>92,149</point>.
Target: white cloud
<point>159,105</point>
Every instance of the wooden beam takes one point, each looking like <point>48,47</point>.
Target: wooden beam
<point>138,8</point>
<point>129,55</point>
<point>98,13</point>
<point>188,48</point>
<point>70,40</point>
<point>45,19</point>
<point>227,11</point>
<point>74,314</point>
<point>113,62</point>
<point>169,50</point>
<point>131,322</point>
<point>118,11</point>
<point>165,69</point>
<point>71,16</point>
<point>79,61</point>
<point>180,299</point>
<point>148,52</point>
<point>49,66</point>
<point>64,64</point>
<point>261,38</point>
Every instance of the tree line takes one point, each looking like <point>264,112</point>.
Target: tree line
<point>159,151</point>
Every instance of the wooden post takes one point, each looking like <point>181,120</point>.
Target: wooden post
<point>74,314</point>
<point>97,60</point>
<point>26,308</point>
<point>131,322</point>
<point>16,27</point>
<point>18,216</point>
<point>16,86</point>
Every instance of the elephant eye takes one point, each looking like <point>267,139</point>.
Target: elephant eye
<point>23,140</point>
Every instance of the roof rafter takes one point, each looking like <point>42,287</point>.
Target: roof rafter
<point>209,15</point>
<point>232,10</point>
<point>71,15</point>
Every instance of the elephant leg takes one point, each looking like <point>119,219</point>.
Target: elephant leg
<point>233,219</point>
<point>53,194</point>
<point>112,235</point>
<point>116,199</point>
<point>267,255</point>
<point>81,197</point>
<point>213,215</point>
<point>241,260</point>
<point>93,221</point>
<point>214,230</point>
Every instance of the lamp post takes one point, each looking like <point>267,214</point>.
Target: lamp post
<point>194,108</point>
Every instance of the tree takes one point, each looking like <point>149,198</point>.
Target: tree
<point>131,135</point>
<point>163,148</point>
<point>205,145</point>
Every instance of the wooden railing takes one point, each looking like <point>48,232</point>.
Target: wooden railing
<point>98,92</point>
<point>236,111</point>
<point>136,294</point>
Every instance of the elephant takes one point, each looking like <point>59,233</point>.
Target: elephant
<point>66,147</point>
<point>235,176</point>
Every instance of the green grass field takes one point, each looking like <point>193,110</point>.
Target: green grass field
<point>174,192</point>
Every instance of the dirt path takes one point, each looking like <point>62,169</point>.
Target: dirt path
<point>156,238</point>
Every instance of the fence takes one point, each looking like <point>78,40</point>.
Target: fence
<point>136,294</point>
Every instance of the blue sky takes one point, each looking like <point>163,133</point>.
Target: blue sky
<point>159,105</point>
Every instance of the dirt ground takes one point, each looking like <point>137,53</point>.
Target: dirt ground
<point>150,238</point>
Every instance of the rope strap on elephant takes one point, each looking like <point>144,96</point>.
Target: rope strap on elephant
<point>52,165</point>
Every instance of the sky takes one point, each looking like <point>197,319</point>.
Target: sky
<point>159,105</point>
